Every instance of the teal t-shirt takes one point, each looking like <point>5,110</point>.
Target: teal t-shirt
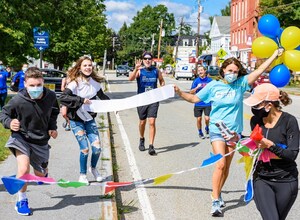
<point>227,103</point>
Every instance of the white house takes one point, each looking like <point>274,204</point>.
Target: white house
<point>220,37</point>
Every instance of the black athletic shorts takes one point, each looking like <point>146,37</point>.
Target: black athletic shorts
<point>148,111</point>
<point>198,110</point>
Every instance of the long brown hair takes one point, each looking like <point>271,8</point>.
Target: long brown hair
<point>233,60</point>
<point>284,99</point>
<point>74,73</point>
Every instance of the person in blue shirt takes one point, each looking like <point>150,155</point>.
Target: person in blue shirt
<point>147,77</point>
<point>201,107</point>
<point>226,96</point>
<point>3,86</point>
<point>20,77</point>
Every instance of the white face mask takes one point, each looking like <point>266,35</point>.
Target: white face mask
<point>24,69</point>
<point>230,77</point>
<point>35,92</point>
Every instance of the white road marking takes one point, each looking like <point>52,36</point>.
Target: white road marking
<point>141,191</point>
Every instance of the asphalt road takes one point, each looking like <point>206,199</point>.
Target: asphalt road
<point>54,202</point>
<point>185,195</point>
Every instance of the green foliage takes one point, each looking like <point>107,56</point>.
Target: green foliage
<point>287,11</point>
<point>136,37</point>
<point>4,135</point>
<point>227,10</point>
<point>75,28</point>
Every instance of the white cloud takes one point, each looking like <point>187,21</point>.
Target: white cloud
<point>119,12</point>
<point>119,6</point>
<point>204,22</point>
<point>177,9</point>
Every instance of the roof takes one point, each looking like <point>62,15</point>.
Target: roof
<point>223,23</point>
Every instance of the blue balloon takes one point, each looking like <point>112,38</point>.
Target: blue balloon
<point>269,26</point>
<point>280,75</point>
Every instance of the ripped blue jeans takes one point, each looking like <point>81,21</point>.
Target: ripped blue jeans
<point>87,134</point>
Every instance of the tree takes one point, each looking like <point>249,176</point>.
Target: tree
<point>287,11</point>
<point>75,27</point>
<point>227,10</point>
<point>137,37</point>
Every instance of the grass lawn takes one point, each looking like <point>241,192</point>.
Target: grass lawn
<point>4,135</point>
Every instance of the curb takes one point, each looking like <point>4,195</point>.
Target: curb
<point>108,205</point>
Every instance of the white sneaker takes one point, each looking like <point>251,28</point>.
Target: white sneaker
<point>83,179</point>
<point>96,174</point>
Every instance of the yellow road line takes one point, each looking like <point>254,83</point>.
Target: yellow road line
<point>247,116</point>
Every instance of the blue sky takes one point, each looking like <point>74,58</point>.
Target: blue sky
<point>120,11</point>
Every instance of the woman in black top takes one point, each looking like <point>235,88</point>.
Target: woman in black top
<point>276,182</point>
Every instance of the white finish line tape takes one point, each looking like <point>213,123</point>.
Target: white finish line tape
<point>145,98</point>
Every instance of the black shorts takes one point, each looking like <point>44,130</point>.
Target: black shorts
<point>148,111</point>
<point>199,110</point>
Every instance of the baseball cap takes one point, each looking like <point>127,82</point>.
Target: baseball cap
<point>263,92</point>
<point>147,55</point>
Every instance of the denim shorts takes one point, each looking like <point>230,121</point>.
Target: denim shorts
<point>216,137</point>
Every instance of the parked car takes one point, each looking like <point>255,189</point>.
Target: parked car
<point>263,78</point>
<point>212,70</point>
<point>52,79</point>
<point>122,70</point>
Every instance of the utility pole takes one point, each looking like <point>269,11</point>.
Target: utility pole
<point>104,62</point>
<point>152,43</point>
<point>113,55</point>
<point>178,39</point>
<point>159,41</point>
<point>198,34</point>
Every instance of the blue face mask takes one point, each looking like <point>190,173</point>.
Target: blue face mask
<point>35,92</point>
<point>1,67</point>
<point>230,77</point>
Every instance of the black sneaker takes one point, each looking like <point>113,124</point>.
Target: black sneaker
<point>142,144</point>
<point>151,150</point>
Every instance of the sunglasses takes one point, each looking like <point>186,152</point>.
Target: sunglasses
<point>147,58</point>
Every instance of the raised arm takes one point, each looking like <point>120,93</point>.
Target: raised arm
<point>256,73</point>
<point>161,78</point>
<point>136,72</point>
<point>186,96</point>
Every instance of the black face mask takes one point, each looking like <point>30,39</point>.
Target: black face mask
<point>261,113</point>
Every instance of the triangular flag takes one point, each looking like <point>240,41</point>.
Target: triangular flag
<point>161,179</point>
<point>110,186</point>
<point>256,134</point>
<point>248,166</point>
<point>32,178</point>
<point>249,191</point>
<point>213,159</point>
<point>65,184</point>
<point>12,184</point>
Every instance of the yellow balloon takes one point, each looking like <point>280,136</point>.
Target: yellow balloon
<point>263,47</point>
<point>291,58</point>
<point>277,61</point>
<point>290,38</point>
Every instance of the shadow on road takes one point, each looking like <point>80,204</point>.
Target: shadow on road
<point>175,147</point>
<point>70,200</point>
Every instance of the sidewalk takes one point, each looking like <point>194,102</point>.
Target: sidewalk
<point>292,91</point>
<point>48,201</point>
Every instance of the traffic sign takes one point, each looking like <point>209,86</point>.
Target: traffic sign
<point>41,39</point>
<point>222,53</point>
